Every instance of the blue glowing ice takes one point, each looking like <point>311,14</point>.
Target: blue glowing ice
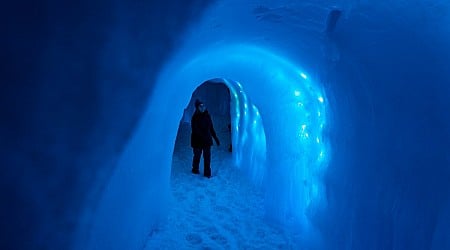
<point>340,112</point>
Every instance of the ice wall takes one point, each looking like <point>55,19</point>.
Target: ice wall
<point>390,100</point>
<point>248,136</point>
<point>76,79</point>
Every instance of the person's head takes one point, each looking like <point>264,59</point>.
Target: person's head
<point>200,106</point>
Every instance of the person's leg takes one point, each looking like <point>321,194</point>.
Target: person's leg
<point>196,160</point>
<point>207,161</point>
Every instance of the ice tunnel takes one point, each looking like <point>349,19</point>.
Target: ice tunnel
<point>340,114</point>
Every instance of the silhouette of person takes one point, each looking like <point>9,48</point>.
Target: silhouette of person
<point>201,138</point>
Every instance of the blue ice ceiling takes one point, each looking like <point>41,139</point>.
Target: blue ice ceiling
<point>345,103</point>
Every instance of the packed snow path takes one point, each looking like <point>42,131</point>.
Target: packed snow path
<point>224,212</point>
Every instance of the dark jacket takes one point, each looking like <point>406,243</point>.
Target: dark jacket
<point>202,130</point>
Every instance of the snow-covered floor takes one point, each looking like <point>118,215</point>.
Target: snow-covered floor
<point>224,212</point>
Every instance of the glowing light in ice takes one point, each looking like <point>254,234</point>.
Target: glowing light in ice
<point>303,75</point>
<point>297,93</point>
<point>321,155</point>
<point>320,99</point>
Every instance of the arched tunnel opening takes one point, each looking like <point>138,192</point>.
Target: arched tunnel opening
<point>200,212</point>
<point>350,100</point>
<point>217,99</point>
<point>213,212</point>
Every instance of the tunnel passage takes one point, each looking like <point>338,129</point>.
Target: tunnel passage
<point>216,98</point>
<point>216,212</point>
<point>233,111</point>
<point>293,109</point>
